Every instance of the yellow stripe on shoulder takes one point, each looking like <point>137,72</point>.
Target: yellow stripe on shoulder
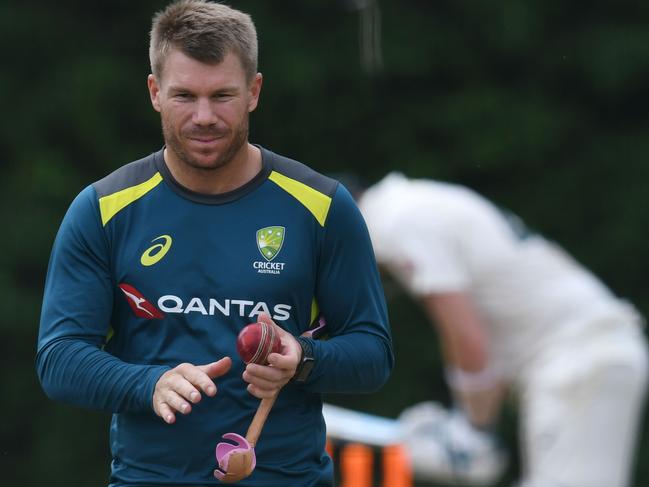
<point>315,201</point>
<point>112,204</point>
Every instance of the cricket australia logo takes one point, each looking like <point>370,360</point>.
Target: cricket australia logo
<point>269,242</point>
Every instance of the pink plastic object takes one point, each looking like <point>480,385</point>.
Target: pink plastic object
<point>225,451</point>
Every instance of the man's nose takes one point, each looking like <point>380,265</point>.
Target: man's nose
<point>204,113</point>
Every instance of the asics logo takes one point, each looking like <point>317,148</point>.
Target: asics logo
<point>153,254</point>
<point>139,304</point>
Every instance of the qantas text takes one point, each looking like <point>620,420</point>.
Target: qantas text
<point>227,307</point>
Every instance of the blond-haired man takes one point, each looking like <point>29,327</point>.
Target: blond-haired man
<point>158,266</point>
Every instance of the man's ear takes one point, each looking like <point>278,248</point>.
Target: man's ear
<point>154,91</point>
<point>253,90</point>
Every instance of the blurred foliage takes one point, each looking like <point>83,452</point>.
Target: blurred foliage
<point>541,106</point>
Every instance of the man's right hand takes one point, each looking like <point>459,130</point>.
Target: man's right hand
<point>179,388</point>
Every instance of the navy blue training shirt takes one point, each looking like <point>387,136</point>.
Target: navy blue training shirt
<point>145,275</point>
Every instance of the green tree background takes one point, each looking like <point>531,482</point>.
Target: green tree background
<point>541,106</point>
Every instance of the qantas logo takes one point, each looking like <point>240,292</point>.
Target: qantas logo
<point>210,306</point>
<point>138,303</point>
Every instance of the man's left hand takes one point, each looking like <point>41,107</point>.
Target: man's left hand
<point>266,380</point>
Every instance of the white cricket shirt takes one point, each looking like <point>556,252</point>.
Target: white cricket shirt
<point>437,237</point>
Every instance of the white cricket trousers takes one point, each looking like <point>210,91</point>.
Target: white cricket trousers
<point>581,408</point>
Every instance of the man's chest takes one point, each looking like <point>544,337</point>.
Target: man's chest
<point>216,260</point>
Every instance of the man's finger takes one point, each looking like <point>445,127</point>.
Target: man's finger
<point>185,386</point>
<point>164,411</point>
<point>263,371</point>
<point>191,378</point>
<point>261,393</point>
<point>261,381</point>
<point>280,361</point>
<point>265,318</point>
<point>177,402</point>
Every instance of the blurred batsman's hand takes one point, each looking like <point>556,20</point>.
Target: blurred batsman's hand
<point>444,447</point>
<point>179,388</point>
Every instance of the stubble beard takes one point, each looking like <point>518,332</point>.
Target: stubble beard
<point>221,159</point>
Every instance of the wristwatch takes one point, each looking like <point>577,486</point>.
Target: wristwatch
<point>306,364</point>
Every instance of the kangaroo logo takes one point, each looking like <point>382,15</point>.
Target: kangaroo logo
<point>139,304</point>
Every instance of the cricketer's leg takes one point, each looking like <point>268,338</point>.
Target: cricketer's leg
<point>581,409</point>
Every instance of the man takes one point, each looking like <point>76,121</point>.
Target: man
<point>158,266</point>
<point>514,311</point>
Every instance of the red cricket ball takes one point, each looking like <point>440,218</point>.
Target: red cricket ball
<point>256,341</point>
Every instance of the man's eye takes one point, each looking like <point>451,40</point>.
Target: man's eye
<point>183,96</point>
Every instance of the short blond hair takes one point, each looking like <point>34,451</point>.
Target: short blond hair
<point>205,31</point>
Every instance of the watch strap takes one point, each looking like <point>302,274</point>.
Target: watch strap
<point>306,363</point>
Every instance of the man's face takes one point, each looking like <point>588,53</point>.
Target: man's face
<point>204,108</point>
